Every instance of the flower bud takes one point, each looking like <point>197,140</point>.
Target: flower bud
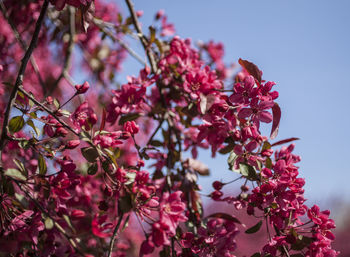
<point>77,214</point>
<point>81,89</point>
<point>216,195</point>
<point>72,144</point>
<point>131,127</point>
<point>217,185</point>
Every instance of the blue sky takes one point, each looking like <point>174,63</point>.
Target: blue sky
<point>301,45</point>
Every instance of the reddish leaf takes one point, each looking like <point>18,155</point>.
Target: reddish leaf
<point>251,68</point>
<point>276,112</point>
<point>281,142</point>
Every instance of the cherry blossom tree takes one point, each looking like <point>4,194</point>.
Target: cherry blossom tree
<point>98,168</point>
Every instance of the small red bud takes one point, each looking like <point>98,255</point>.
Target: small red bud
<point>139,13</point>
<point>49,100</point>
<point>244,188</point>
<point>77,214</point>
<point>160,14</point>
<point>216,195</point>
<point>72,144</point>
<point>131,127</point>
<point>217,185</point>
<point>81,89</point>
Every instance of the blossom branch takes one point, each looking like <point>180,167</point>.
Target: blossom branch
<point>64,124</point>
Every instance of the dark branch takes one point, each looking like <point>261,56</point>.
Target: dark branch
<point>143,39</point>
<point>111,244</point>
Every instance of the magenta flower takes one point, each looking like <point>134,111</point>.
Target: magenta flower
<point>84,117</point>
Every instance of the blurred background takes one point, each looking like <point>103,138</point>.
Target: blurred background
<point>304,47</point>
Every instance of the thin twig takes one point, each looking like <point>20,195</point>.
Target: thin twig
<point>111,244</point>
<point>19,80</point>
<point>143,39</point>
<point>99,24</point>
<point>155,132</point>
<point>52,113</point>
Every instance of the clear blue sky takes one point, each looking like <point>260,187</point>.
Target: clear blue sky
<point>301,45</point>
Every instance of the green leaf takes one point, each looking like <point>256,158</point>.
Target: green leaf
<point>152,31</point>
<point>49,223</point>
<point>16,124</point>
<point>42,165</point>
<point>159,45</point>
<point>33,115</point>
<point>126,223</point>
<point>255,228</point>
<point>231,159</point>
<point>125,203</point>
<point>92,170</point>
<point>227,149</point>
<point>89,153</point>
<point>15,174</point>
<point>65,113</point>
<point>156,143</point>
<point>131,177</point>
<point>165,252</point>
<point>36,130</point>
<point>301,243</point>
<point>128,117</point>
<point>56,103</point>
<point>106,167</point>
<point>256,255</point>
<point>68,221</point>
<point>247,170</point>
<point>266,146</point>
<point>22,199</point>
<point>21,166</point>
<point>268,163</point>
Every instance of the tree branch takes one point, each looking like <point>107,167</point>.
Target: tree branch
<point>143,39</point>
<point>111,244</point>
